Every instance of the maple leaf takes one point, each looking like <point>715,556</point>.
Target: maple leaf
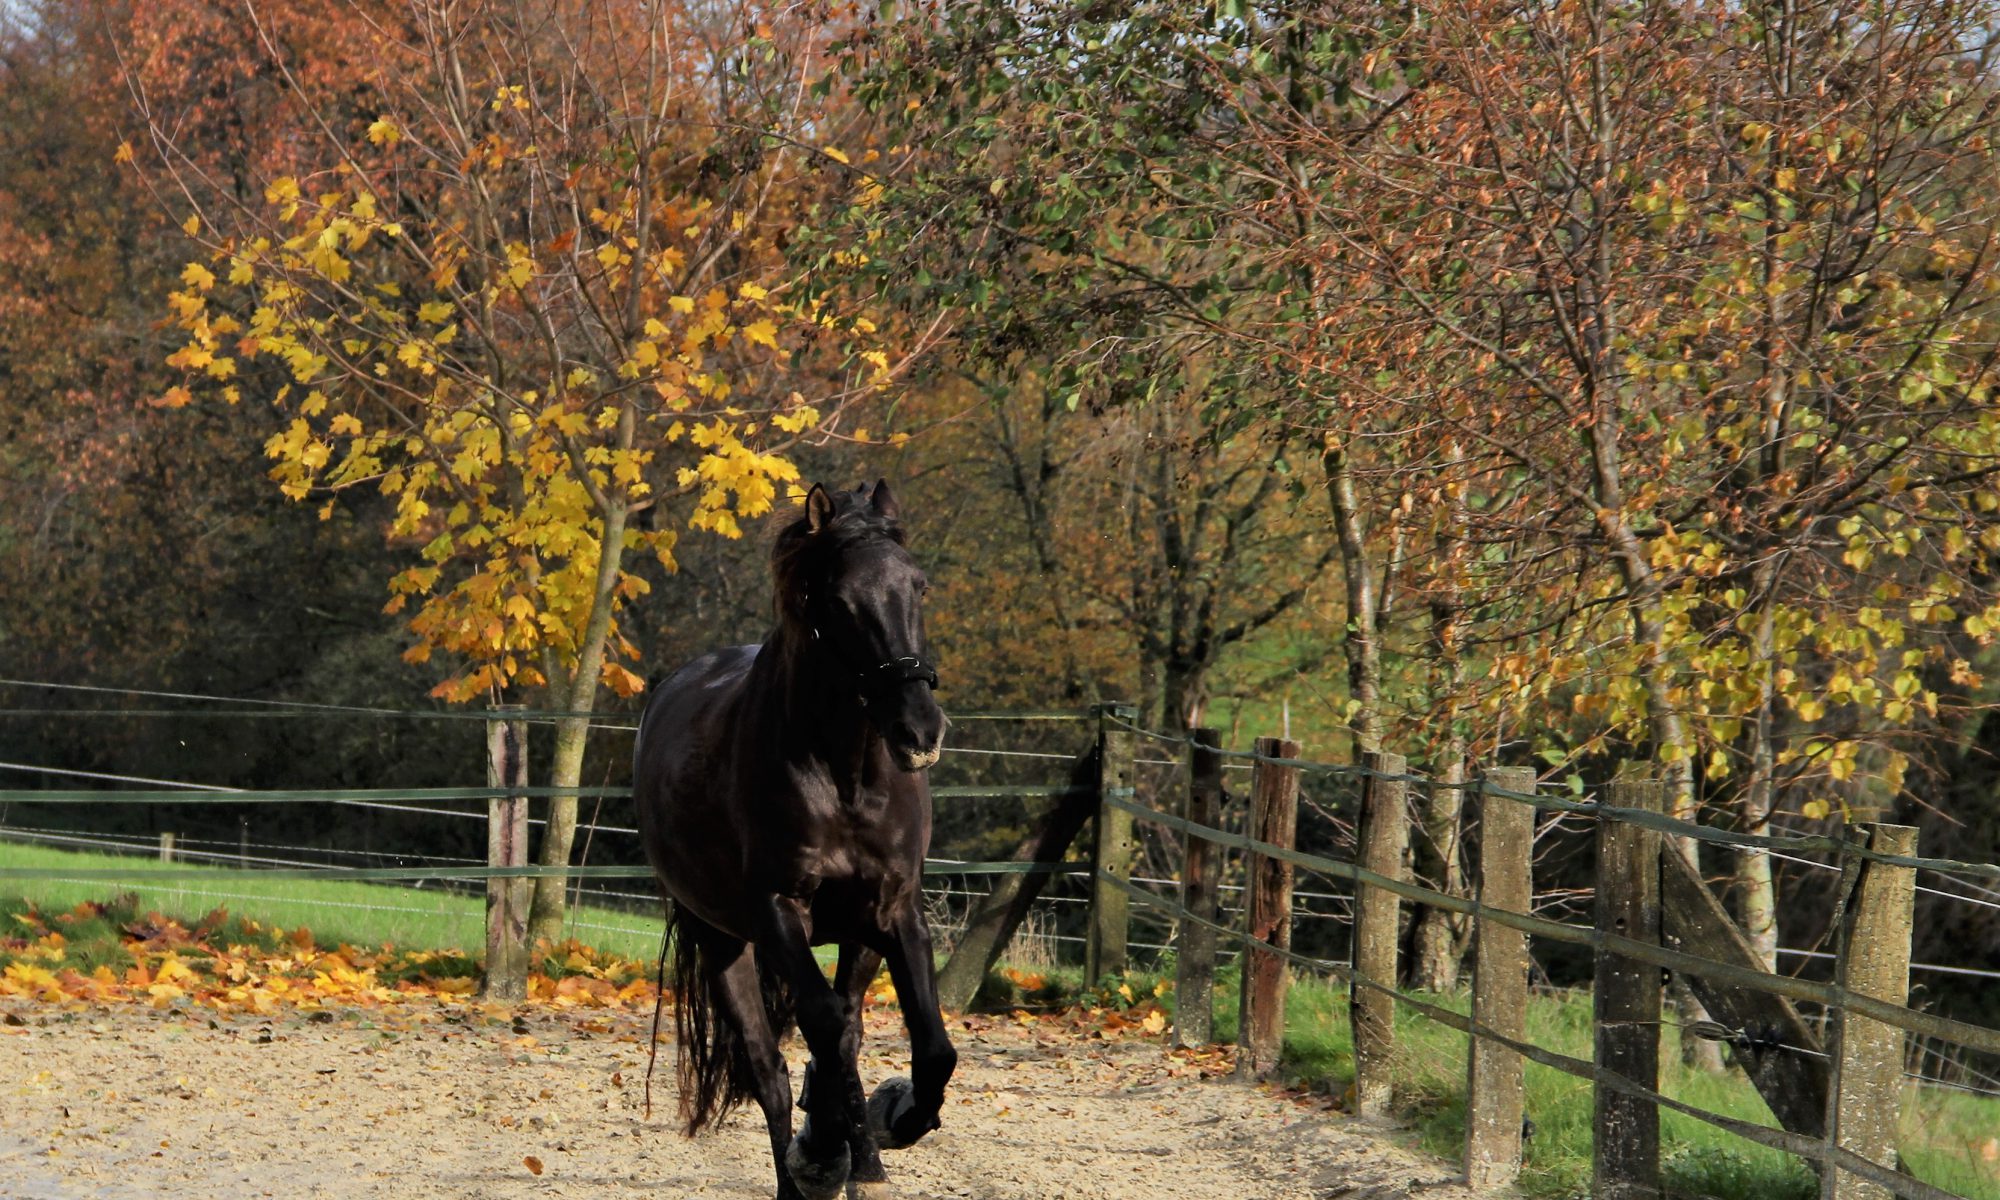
<point>761,333</point>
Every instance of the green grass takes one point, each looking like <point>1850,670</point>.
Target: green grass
<point>1943,1131</point>
<point>336,911</point>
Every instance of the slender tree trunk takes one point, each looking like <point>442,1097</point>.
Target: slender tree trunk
<point>1756,894</point>
<point>1363,649</point>
<point>1673,749</point>
<point>1440,935</point>
<point>545,915</point>
<point>1032,475</point>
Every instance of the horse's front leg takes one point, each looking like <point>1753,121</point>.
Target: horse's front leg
<point>819,1158</point>
<point>901,1115</point>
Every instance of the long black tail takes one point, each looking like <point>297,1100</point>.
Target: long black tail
<point>712,1065</point>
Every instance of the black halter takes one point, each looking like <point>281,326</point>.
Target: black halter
<point>905,670</point>
<point>909,668</point>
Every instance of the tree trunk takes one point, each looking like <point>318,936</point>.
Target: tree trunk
<point>1673,749</point>
<point>1756,895</point>
<point>545,916</point>
<point>1441,936</point>
<point>1363,649</point>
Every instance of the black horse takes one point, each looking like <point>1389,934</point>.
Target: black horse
<point>782,803</point>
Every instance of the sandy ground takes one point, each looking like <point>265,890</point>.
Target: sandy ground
<point>131,1103</point>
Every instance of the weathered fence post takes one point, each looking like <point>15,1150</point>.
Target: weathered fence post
<point>1625,1156</point>
<point>1110,907</point>
<point>166,847</point>
<point>1385,838</point>
<point>1494,1098</point>
<point>1274,819</point>
<point>1194,968</point>
<point>1871,958</point>
<point>506,846</point>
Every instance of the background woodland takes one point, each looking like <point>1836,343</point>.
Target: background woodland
<point>1596,386</point>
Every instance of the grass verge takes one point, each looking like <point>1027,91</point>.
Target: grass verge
<point>336,911</point>
<point>1946,1136</point>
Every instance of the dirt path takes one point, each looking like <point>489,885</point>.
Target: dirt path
<point>131,1103</point>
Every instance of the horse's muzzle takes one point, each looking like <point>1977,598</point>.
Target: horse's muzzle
<point>919,760</point>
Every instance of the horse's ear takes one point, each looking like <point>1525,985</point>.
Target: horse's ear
<point>819,509</point>
<point>885,504</point>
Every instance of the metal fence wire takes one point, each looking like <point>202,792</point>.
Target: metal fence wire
<point>1840,1001</point>
<point>998,790</point>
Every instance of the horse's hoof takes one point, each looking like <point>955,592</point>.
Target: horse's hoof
<point>873,1190</point>
<point>892,1118</point>
<point>817,1180</point>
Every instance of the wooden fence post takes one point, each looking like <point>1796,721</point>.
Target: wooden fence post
<point>1194,967</point>
<point>1385,839</point>
<point>1872,958</point>
<point>166,847</point>
<point>1274,818</point>
<point>1110,907</point>
<point>1494,1097</point>
<point>506,846</point>
<point>1625,1156</point>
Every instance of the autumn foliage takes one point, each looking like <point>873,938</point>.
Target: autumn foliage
<point>500,291</point>
<point>231,964</point>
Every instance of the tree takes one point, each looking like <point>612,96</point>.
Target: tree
<point>1729,295</point>
<point>526,282</point>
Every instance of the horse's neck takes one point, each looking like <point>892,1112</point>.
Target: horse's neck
<point>816,712</point>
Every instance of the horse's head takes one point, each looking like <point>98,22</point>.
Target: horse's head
<point>849,588</point>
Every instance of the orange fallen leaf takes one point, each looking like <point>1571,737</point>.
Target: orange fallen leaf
<point>533,1164</point>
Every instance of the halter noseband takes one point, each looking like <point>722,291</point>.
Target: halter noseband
<point>908,669</point>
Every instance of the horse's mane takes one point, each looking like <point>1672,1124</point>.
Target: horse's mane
<point>799,556</point>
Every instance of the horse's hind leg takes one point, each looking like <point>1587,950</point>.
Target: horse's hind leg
<point>909,1114</point>
<point>742,995</point>
<point>851,978</point>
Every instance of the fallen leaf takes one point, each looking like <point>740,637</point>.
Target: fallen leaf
<point>533,1164</point>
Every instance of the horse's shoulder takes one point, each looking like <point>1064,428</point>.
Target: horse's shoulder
<point>684,706</point>
<point>708,670</point>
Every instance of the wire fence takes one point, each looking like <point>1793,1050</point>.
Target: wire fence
<point>1008,771</point>
<point>1840,1002</point>
<point>1330,795</point>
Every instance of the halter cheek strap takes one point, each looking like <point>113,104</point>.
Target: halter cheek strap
<point>907,669</point>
